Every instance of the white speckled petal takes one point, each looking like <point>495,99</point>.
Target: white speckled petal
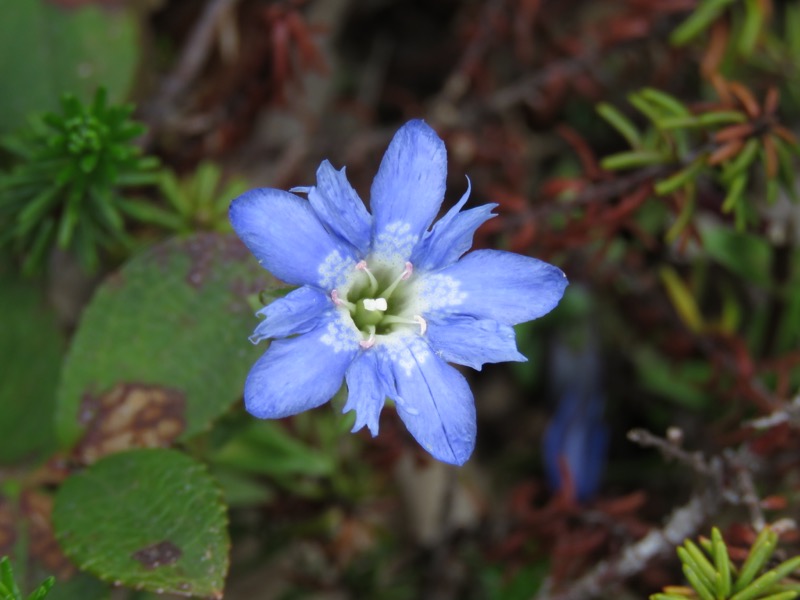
<point>289,240</point>
<point>434,401</point>
<point>299,373</point>
<point>299,311</point>
<point>451,236</point>
<point>367,389</point>
<point>473,342</point>
<point>338,206</point>
<point>502,286</point>
<point>408,189</point>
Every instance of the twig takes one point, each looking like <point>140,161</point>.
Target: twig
<point>682,523</point>
<point>195,52</point>
<point>669,449</point>
<point>741,463</point>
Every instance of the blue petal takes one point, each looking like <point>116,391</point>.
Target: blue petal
<point>299,311</point>
<point>289,240</point>
<point>451,235</point>
<point>337,204</point>
<point>408,189</point>
<point>434,401</point>
<point>300,373</point>
<point>367,389</point>
<point>473,342</point>
<point>506,287</point>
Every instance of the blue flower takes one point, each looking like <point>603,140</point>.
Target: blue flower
<point>575,442</point>
<point>384,302</point>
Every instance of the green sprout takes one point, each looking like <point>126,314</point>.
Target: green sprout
<point>197,202</point>
<point>65,189</point>
<point>713,576</point>
<point>726,144</point>
<point>750,19</point>
<point>9,589</point>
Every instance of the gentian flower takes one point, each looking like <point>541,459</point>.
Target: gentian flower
<point>575,442</point>
<point>384,302</point>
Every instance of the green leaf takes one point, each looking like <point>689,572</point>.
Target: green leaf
<point>704,120</point>
<point>682,299</point>
<point>679,179</point>
<point>31,347</point>
<point>80,587</point>
<point>685,216</point>
<point>692,557</point>
<point>698,584</point>
<point>151,519</point>
<point>175,317</point>
<point>266,448</point>
<point>668,104</point>
<point>752,26</point>
<point>46,51</point>
<point>621,123</point>
<point>742,161</point>
<point>681,384</point>
<point>633,159</point>
<point>241,489</point>
<point>44,588</point>
<point>744,254</point>
<point>10,589</point>
<point>735,192</point>
<point>758,556</point>
<point>722,563</point>
<point>700,20</point>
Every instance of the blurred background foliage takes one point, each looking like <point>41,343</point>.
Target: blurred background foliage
<point>647,147</point>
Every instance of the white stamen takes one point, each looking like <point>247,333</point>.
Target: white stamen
<point>342,302</point>
<point>370,341</point>
<point>415,320</point>
<point>376,304</point>
<point>423,324</point>
<point>407,271</point>
<point>373,283</point>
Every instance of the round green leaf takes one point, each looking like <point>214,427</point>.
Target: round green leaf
<point>172,324</point>
<point>152,519</point>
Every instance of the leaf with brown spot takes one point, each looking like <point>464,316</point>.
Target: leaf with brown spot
<point>156,555</point>
<point>130,416</point>
<point>152,519</point>
<point>175,318</point>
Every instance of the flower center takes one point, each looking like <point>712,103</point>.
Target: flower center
<point>378,300</point>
